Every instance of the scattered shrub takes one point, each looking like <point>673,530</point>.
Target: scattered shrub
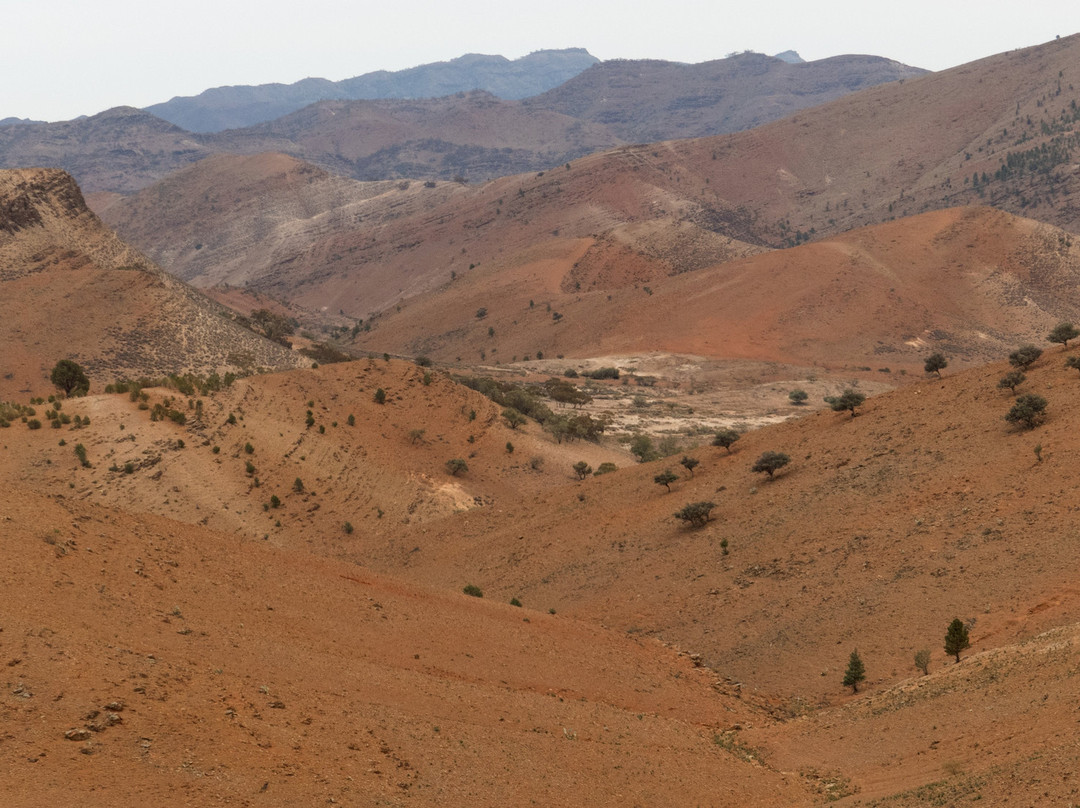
<point>473,591</point>
<point>1029,411</point>
<point>456,466</point>
<point>666,478</point>
<point>582,469</point>
<point>770,462</point>
<point>725,438</point>
<point>696,514</point>
<point>848,400</point>
<point>1024,356</point>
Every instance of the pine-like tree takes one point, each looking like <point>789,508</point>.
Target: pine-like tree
<point>956,638</point>
<point>855,673</point>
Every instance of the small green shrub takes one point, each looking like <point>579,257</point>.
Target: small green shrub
<point>473,591</point>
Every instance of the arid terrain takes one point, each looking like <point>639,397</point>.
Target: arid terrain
<point>455,568</point>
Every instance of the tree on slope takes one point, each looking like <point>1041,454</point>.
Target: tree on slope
<point>69,377</point>
<point>956,638</point>
<point>855,672</point>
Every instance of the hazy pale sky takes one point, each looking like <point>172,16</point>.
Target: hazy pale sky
<point>63,58</point>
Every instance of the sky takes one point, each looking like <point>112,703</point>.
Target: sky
<point>63,58</point>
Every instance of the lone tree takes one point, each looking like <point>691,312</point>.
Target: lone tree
<point>582,469</point>
<point>69,376</point>
<point>666,478</point>
<point>1013,379</point>
<point>1024,356</point>
<point>456,466</point>
<point>770,463</point>
<point>855,672</point>
<point>379,397</point>
<point>1028,411</point>
<point>696,514</point>
<point>798,397</point>
<point>922,660</point>
<point>956,638</point>
<point>642,448</point>
<point>725,437</point>
<point>689,463</point>
<point>513,418</point>
<point>1063,332</point>
<point>1073,362</point>
<point>848,400</point>
<point>935,363</point>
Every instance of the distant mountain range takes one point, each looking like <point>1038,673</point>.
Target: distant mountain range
<point>472,135</point>
<point>233,107</point>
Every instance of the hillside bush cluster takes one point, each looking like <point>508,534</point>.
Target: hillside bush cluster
<point>530,402</point>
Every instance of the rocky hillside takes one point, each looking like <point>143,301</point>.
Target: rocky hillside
<point>643,101</point>
<point>72,289</point>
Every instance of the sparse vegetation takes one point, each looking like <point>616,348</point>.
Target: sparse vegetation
<point>380,396</point>
<point>1024,356</point>
<point>935,363</point>
<point>298,486</point>
<point>642,448</point>
<point>855,673</point>
<point>957,638</point>
<point>582,469</point>
<point>770,463</point>
<point>666,478</point>
<point>456,466</point>
<point>848,400</point>
<point>347,527</point>
<point>513,418</point>
<point>725,438</point>
<point>1062,333</point>
<point>798,397</point>
<point>1013,379</point>
<point>80,452</point>
<point>690,463</point>
<point>696,514</point>
<point>1073,362</point>
<point>604,468</point>
<point>1028,412</point>
<point>922,660</point>
<point>473,591</point>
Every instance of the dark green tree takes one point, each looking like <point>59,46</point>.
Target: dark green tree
<point>666,478</point>
<point>855,672</point>
<point>935,363</point>
<point>1028,411</point>
<point>69,377</point>
<point>848,400</point>
<point>956,638</point>
<point>380,396</point>
<point>725,438</point>
<point>696,514</point>
<point>770,462</point>
<point>1012,380</point>
<point>582,469</point>
<point>690,463</point>
<point>1024,356</point>
<point>1063,332</point>
<point>798,397</point>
